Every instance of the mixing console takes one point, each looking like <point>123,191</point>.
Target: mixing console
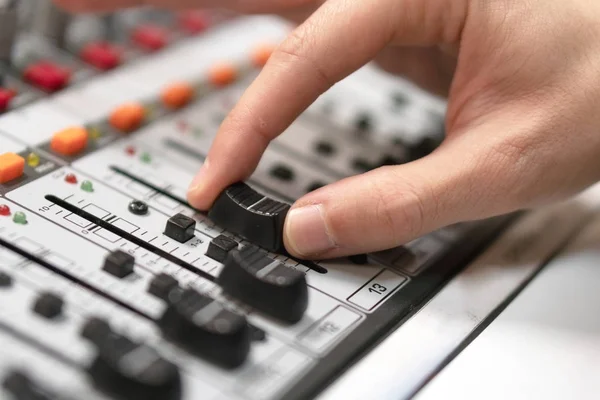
<point>112,282</point>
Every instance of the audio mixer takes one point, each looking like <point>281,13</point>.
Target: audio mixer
<point>113,287</point>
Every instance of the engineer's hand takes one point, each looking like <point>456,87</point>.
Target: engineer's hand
<point>523,119</point>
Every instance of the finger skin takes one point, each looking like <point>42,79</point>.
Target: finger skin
<point>306,64</point>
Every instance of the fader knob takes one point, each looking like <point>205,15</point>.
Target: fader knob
<point>243,211</point>
<point>130,370</point>
<point>219,247</point>
<point>201,325</point>
<point>265,284</point>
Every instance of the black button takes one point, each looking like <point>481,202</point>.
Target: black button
<point>138,207</point>
<point>119,263</point>
<point>161,285</point>
<point>48,305</point>
<point>204,327</point>
<point>261,225</point>
<point>314,186</point>
<point>265,284</point>
<point>5,280</point>
<point>362,165</point>
<point>180,227</point>
<point>129,370</point>
<point>219,247</point>
<point>21,387</point>
<point>324,148</point>
<point>282,172</point>
<point>95,329</point>
<point>364,123</point>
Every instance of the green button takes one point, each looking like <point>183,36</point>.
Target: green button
<point>87,186</point>
<point>146,158</point>
<point>20,218</point>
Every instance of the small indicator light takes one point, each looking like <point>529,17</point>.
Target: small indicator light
<point>95,133</point>
<point>4,210</point>
<point>71,178</point>
<point>146,158</point>
<point>130,150</point>
<point>33,160</point>
<point>87,186</point>
<point>20,218</point>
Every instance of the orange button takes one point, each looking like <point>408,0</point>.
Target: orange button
<point>70,141</point>
<point>177,95</point>
<point>128,117</point>
<point>11,166</point>
<point>261,55</point>
<point>222,74</point>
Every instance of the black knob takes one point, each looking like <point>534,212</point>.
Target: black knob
<point>48,305</point>
<point>5,280</point>
<point>161,285</point>
<point>219,248</point>
<point>180,227</point>
<point>243,211</point>
<point>265,284</point>
<point>21,387</point>
<point>202,326</point>
<point>129,370</point>
<point>138,207</point>
<point>119,264</point>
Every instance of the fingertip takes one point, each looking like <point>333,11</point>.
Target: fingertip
<point>199,194</point>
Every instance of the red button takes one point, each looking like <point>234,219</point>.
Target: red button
<point>71,178</point>
<point>47,76</point>
<point>194,22</point>
<point>150,37</point>
<point>6,95</point>
<point>101,55</point>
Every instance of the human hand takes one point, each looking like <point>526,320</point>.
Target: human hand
<point>521,124</point>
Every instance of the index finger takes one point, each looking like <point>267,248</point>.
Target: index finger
<point>328,46</point>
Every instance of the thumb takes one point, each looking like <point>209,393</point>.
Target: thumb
<point>464,179</point>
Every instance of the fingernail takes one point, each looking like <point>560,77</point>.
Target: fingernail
<point>198,180</point>
<point>306,232</point>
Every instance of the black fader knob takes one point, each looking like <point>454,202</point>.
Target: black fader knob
<point>204,327</point>
<point>48,305</point>
<point>21,387</point>
<point>129,370</point>
<point>219,248</point>
<point>180,227</point>
<point>243,211</point>
<point>265,284</point>
<point>119,264</point>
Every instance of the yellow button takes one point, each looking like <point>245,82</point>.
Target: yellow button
<point>11,166</point>
<point>177,95</point>
<point>127,117</point>
<point>222,74</point>
<point>261,55</point>
<point>70,141</point>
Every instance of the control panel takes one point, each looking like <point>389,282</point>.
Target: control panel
<point>114,283</point>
